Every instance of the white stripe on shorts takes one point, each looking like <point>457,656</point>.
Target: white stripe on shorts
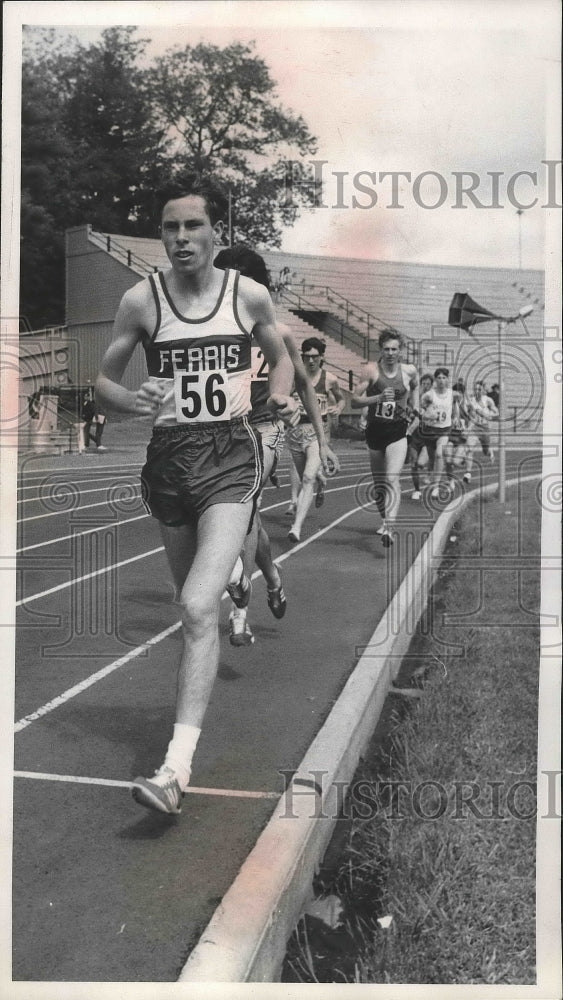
<point>258,472</point>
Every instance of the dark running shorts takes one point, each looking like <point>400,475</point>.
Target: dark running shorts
<point>458,436</point>
<point>431,435</point>
<point>416,441</point>
<point>190,468</point>
<point>379,435</point>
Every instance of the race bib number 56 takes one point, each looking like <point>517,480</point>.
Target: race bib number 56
<point>202,397</point>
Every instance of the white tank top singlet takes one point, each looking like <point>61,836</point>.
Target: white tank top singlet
<point>443,409</point>
<point>204,364</point>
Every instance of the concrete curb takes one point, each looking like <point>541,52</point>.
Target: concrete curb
<point>246,939</point>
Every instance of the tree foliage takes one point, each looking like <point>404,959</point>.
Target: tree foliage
<point>102,131</point>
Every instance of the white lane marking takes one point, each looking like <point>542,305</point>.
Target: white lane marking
<point>102,503</point>
<point>40,474</point>
<point>86,576</point>
<point>135,653</point>
<point>143,555</point>
<point>65,482</point>
<point>78,534</point>
<point>107,569</point>
<point>94,678</point>
<point>235,793</point>
<point>82,493</point>
<point>73,510</point>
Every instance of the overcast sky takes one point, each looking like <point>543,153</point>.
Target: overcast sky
<point>416,87</point>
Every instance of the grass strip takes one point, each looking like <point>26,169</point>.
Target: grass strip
<point>441,817</point>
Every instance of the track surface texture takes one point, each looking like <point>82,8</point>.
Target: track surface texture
<point>103,890</point>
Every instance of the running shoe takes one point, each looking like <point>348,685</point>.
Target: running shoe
<point>276,598</point>
<point>416,495</point>
<point>320,495</point>
<point>162,792</point>
<point>101,447</point>
<point>435,494</point>
<point>293,535</point>
<point>382,529</point>
<point>239,632</point>
<point>467,477</point>
<point>290,512</point>
<point>240,592</point>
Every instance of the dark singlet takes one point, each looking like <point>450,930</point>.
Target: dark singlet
<point>259,388</point>
<point>388,413</point>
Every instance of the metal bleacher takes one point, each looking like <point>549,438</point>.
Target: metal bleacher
<point>349,301</point>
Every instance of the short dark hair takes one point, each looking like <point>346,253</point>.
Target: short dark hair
<point>315,343</point>
<point>248,262</point>
<point>459,386</point>
<point>427,375</point>
<point>441,371</point>
<point>390,334</point>
<point>216,202</point>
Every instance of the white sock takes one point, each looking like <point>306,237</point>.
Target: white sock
<point>237,571</point>
<point>180,752</point>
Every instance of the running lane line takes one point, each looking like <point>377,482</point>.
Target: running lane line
<point>133,654</point>
<point>234,793</point>
<point>79,534</point>
<point>144,647</point>
<point>102,503</point>
<point>87,576</point>
<point>144,555</point>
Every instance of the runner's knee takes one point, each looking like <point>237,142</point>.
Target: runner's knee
<point>200,612</point>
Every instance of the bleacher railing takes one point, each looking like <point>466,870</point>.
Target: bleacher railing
<point>114,247</point>
<point>339,304</point>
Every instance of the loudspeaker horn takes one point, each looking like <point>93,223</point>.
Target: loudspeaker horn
<point>465,312</point>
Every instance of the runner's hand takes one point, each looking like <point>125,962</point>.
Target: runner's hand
<point>149,399</point>
<point>329,460</point>
<point>285,408</point>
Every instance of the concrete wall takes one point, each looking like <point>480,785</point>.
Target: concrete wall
<point>95,281</point>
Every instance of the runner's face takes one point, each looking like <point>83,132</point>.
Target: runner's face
<point>187,234</point>
<point>426,385</point>
<point>478,391</point>
<point>441,381</point>
<point>390,351</point>
<point>312,360</point>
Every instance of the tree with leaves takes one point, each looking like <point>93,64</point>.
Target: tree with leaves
<point>101,134</point>
<point>220,109</point>
<point>92,152</point>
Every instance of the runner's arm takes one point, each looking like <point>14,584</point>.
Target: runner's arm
<point>358,399</point>
<point>492,408</point>
<point>413,398</point>
<point>333,386</point>
<point>129,328</point>
<point>260,308</point>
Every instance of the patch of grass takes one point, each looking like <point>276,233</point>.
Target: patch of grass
<point>451,857</point>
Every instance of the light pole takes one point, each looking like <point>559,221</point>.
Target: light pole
<point>465,313</point>
<point>501,411</point>
<point>519,213</point>
<point>502,324</point>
